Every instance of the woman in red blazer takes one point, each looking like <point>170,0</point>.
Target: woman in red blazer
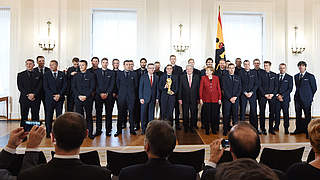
<point>210,98</point>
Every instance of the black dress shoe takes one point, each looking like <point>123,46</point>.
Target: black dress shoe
<point>186,129</point>
<point>91,136</point>
<point>264,132</point>
<point>124,126</point>
<point>133,133</point>
<point>286,131</point>
<point>225,133</point>
<point>196,127</point>
<point>117,134</point>
<point>296,132</point>
<point>202,127</point>
<point>259,132</point>
<point>192,130</point>
<point>178,127</point>
<point>272,132</point>
<point>142,133</point>
<point>48,136</point>
<point>207,132</point>
<point>108,134</point>
<point>98,133</point>
<point>307,136</point>
<point>276,128</point>
<point>214,132</point>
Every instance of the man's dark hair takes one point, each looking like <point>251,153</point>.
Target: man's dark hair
<point>256,60</point>
<point>126,61</point>
<point>246,61</point>
<point>244,169</point>
<point>84,61</point>
<point>30,60</point>
<point>172,56</point>
<point>143,59</point>
<point>157,62</point>
<point>228,61</point>
<point>169,65</point>
<point>69,130</point>
<point>282,64</point>
<point>302,63</point>
<point>75,59</point>
<point>231,64</point>
<point>38,57</point>
<point>243,143</point>
<point>94,58</point>
<point>222,60</point>
<point>267,62</point>
<point>150,64</point>
<point>209,59</point>
<point>238,59</point>
<point>54,61</point>
<point>161,138</point>
<point>115,60</point>
<point>104,59</point>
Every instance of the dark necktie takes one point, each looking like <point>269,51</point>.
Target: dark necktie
<point>127,74</point>
<point>103,73</point>
<point>232,78</point>
<point>55,75</point>
<point>29,74</point>
<point>41,70</point>
<point>301,76</point>
<point>281,78</point>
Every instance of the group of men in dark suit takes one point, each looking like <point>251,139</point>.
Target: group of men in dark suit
<point>137,93</point>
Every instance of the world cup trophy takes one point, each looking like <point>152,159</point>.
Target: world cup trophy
<point>169,83</point>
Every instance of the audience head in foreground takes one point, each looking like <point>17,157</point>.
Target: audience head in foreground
<point>69,131</point>
<point>312,170</point>
<point>244,169</point>
<point>160,141</point>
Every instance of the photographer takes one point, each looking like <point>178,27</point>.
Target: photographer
<point>8,154</point>
<point>244,143</point>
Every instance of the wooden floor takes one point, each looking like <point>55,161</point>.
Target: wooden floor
<point>126,139</point>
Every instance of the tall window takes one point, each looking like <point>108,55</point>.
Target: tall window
<point>114,34</point>
<point>4,54</point>
<point>243,35</point>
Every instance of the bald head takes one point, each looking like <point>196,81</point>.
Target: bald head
<point>244,141</point>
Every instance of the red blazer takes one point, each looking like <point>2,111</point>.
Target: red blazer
<point>210,93</point>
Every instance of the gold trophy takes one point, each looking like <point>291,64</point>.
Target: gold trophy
<point>169,82</point>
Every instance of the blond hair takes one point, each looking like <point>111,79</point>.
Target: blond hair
<point>314,133</point>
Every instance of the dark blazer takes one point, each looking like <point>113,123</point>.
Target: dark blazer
<point>146,91</point>
<point>285,87</point>
<point>158,169</point>
<point>249,81</point>
<point>83,84</point>
<point>115,88</point>
<point>46,69</point>
<point>54,86</point>
<point>210,172</point>
<point>231,89</point>
<point>30,159</point>
<point>105,83</point>
<point>70,77</point>
<point>127,86</point>
<point>259,72</point>
<point>219,73</point>
<point>27,85</point>
<point>159,73</point>
<point>187,94</point>
<point>174,85</point>
<point>305,88</point>
<point>238,70</point>
<point>65,169</point>
<point>268,85</point>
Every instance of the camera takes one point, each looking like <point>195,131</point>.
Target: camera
<point>225,143</point>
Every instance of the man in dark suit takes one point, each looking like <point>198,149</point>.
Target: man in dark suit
<point>258,70</point>
<point>177,71</point>
<point>8,155</point>
<point>42,69</point>
<point>160,141</point>
<point>83,86</point>
<point>94,67</point>
<point>249,82</point>
<point>157,70</point>
<point>195,70</point>
<point>238,63</point>
<point>231,88</point>
<point>244,143</point>
<point>137,108</point>
<point>148,95</point>
<point>127,83</point>
<point>30,85</point>
<point>104,87</point>
<point>54,85</point>
<point>69,131</point>
<point>188,97</point>
<point>306,87</point>
<point>283,97</point>
<point>168,86</point>
<point>114,98</point>
<point>71,72</point>
<point>268,89</point>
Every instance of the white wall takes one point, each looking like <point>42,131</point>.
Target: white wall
<point>158,22</point>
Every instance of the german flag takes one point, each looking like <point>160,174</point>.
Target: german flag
<point>220,51</point>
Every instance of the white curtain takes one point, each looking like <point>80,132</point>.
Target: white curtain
<point>4,55</point>
<point>243,36</point>
<point>114,34</point>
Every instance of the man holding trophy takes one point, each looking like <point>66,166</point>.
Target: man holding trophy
<point>168,85</point>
